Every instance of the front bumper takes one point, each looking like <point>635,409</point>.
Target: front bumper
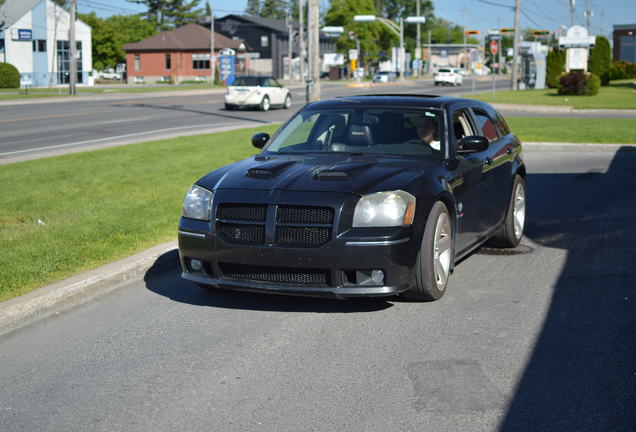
<point>342,265</point>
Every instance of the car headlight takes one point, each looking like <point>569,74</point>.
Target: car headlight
<point>385,209</point>
<point>198,204</point>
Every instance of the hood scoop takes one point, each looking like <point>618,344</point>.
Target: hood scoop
<point>268,170</point>
<point>341,172</point>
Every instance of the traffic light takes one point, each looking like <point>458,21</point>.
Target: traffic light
<point>472,32</point>
<point>507,30</point>
<point>541,33</point>
<point>354,64</point>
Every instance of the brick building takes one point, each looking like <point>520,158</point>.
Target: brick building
<point>178,55</point>
<point>625,42</point>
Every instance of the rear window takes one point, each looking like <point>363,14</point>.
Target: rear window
<point>248,82</point>
<point>445,70</point>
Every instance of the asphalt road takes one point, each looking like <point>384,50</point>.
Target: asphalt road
<point>41,128</point>
<point>540,338</point>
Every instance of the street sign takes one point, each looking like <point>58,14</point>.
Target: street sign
<point>353,54</point>
<point>494,47</point>
<point>507,30</point>
<point>472,32</point>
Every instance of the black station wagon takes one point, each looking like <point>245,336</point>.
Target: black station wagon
<point>358,196</point>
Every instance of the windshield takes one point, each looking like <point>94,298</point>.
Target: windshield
<point>364,130</point>
<point>247,82</point>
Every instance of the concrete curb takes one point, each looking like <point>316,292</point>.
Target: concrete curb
<point>78,289</point>
<point>549,109</point>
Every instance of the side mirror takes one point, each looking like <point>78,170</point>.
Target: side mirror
<point>473,143</point>
<point>260,139</point>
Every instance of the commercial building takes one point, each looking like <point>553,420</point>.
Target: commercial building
<point>34,37</point>
<point>625,42</point>
<point>177,55</point>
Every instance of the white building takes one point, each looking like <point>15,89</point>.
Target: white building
<point>34,37</point>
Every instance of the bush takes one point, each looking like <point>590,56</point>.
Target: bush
<point>622,70</point>
<point>554,67</point>
<point>600,61</point>
<point>579,83</point>
<point>9,76</point>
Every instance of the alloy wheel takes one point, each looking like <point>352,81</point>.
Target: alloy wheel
<point>519,210</point>
<point>442,250</point>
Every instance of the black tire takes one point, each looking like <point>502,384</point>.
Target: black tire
<point>229,107</point>
<point>436,84</point>
<point>507,236</point>
<point>425,287</point>
<point>264,105</point>
<point>288,102</point>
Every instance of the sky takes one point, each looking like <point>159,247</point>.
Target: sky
<point>480,14</point>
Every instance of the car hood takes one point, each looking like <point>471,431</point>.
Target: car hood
<point>320,173</point>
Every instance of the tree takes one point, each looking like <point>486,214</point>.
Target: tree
<point>111,34</point>
<point>253,8</point>
<point>9,76</point>
<point>600,62</point>
<point>273,9</point>
<point>373,36</point>
<point>168,14</point>
<point>554,67</point>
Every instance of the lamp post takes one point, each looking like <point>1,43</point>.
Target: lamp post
<point>398,29</point>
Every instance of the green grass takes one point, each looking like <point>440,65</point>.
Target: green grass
<point>563,129</point>
<point>618,95</point>
<point>100,206</point>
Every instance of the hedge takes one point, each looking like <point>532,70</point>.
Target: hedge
<point>9,76</point>
<point>600,61</point>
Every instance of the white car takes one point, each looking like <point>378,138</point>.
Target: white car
<point>108,74</point>
<point>447,76</point>
<point>256,92</point>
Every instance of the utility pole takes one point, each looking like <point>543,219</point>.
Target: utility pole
<point>73,78</point>
<point>418,43</point>
<point>314,48</point>
<point>402,56</point>
<point>290,43</point>
<point>212,62</point>
<point>603,22</point>
<point>588,16</point>
<point>516,44</point>
<point>464,48</point>
<point>301,38</point>
<point>572,12</point>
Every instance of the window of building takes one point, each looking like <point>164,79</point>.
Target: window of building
<point>200,61</point>
<point>264,41</point>
<point>39,45</point>
<point>1,45</point>
<point>168,62</point>
<point>64,61</point>
<point>137,62</point>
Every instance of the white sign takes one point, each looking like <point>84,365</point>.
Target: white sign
<point>577,58</point>
<point>577,37</point>
<point>353,54</point>
<point>227,52</point>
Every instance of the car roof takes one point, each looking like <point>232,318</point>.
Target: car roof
<point>399,100</point>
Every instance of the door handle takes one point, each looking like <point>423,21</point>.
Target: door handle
<point>488,161</point>
<point>509,150</point>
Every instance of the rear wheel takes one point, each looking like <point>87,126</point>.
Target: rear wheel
<point>434,260</point>
<point>229,107</point>
<point>511,232</point>
<point>264,105</point>
<point>287,104</point>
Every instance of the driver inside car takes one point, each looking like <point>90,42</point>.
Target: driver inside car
<point>426,130</point>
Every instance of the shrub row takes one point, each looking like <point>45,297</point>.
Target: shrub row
<point>622,70</point>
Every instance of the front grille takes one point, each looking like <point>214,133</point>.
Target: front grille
<point>293,226</point>
<point>277,275</point>
<point>244,234</point>
<point>314,215</point>
<point>242,212</point>
<point>302,236</point>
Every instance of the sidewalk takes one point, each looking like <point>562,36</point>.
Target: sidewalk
<point>79,289</point>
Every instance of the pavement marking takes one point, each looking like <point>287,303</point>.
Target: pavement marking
<point>78,143</point>
<point>45,117</point>
<point>125,120</point>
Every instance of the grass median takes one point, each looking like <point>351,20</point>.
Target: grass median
<point>67,214</point>
<point>64,215</point>
<point>618,95</point>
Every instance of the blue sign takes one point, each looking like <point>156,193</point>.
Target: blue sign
<point>25,34</point>
<point>226,69</point>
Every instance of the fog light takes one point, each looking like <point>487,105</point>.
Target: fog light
<point>196,265</point>
<point>377,276</point>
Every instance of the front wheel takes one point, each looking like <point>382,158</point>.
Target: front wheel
<point>264,105</point>
<point>287,104</point>
<point>511,232</point>
<point>435,257</point>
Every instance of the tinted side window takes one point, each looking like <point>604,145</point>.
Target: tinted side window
<point>485,125</point>
<point>461,125</point>
<point>501,124</point>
